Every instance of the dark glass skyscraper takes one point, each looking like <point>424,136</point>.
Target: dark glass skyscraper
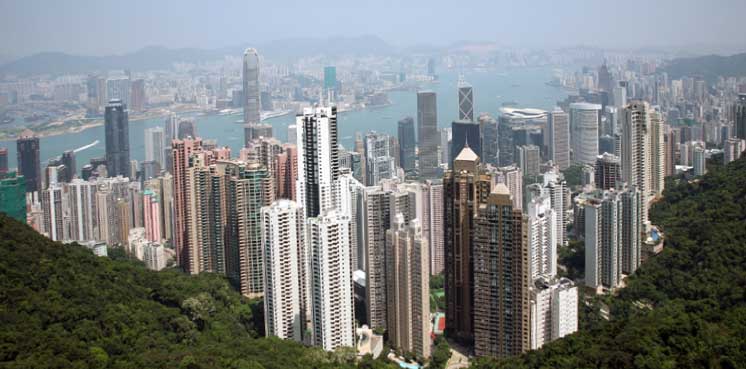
<point>740,117</point>
<point>117,139</point>
<point>488,129</point>
<point>29,161</point>
<point>465,133</point>
<point>427,133</point>
<point>465,102</point>
<point>68,160</point>
<point>3,161</point>
<point>407,143</point>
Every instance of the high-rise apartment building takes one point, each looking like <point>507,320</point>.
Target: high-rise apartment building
<point>501,267</point>
<point>584,125</point>
<point>249,191</point>
<point>377,220</point>
<point>542,238</point>
<point>155,146</point>
<point>119,89</point>
<point>332,313</point>
<point>427,133</point>
<point>407,295</point>
<point>512,177</point>
<point>608,172</point>
<point>182,151</point>
<point>284,270</point>
<point>29,160</point>
<point>116,127</point>
<point>286,172</point>
<point>699,161</point>
<point>554,310</point>
<point>638,151</point>
<point>558,127</point>
<point>318,160</point>
<point>82,209</point>
<point>465,188</point>
<point>137,95</point>
<point>613,228</point>
<point>433,209</point>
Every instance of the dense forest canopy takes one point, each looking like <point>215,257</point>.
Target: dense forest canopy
<point>63,307</point>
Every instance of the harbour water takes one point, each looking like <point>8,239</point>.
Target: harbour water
<point>525,86</point>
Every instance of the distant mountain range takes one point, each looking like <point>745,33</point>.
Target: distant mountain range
<point>157,57</point>
<point>709,67</point>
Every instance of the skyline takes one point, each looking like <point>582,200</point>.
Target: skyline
<point>47,26</point>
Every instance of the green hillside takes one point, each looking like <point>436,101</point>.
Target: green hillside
<point>62,307</point>
<point>685,308</point>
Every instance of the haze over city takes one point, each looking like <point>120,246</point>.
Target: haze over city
<point>109,27</point>
<point>372,185</point>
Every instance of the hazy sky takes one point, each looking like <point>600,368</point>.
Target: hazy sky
<point>99,27</point>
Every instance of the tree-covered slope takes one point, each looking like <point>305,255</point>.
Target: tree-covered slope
<point>685,308</point>
<point>62,307</point>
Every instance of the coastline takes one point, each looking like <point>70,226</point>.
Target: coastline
<point>98,123</point>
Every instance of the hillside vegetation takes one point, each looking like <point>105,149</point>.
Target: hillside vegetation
<point>63,307</point>
<point>685,308</point>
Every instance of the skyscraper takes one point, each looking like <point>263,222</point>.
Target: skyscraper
<point>407,295</point>
<point>407,144</point>
<point>529,159</point>
<point>330,83</point>
<point>119,89</point>
<point>332,312</point>
<point>3,161</point>
<point>328,229</point>
<point>284,270</point>
<point>433,204</point>
<point>427,133</point>
<point>465,188</point>
<point>501,278</point>
<point>613,225</point>
<point>558,125</point>
<point>379,158</point>
<point>29,161</point>
<point>13,196</point>
<point>248,192</point>
<point>512,177</point>
<point>699,161</point>
<point>117,139</point>
<point>68,160</point>
<point>607,172</point>
<point>81,199</point>
<point>739,114</point>
<point>584,124</point>
<point>155,146</point>
<point>465,102</point>
<point>318,160</point>
<point>637,163</point>
<point>542,238</point>
<point>286,172</point>
<point>465,133</point>
<point>182,151</point>
<point>657,154</point>
<point>377,219</point>
<point>251,114</point>
<point>488,132</point>
<point>137,95</point>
